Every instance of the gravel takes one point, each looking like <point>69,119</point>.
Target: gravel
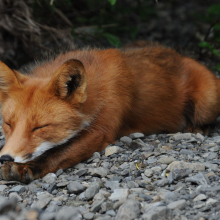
<point>166,184</point>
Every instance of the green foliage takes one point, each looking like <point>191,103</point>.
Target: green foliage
<point>212,16</point>
<point>110,18</point>
<point>113,40</point>
<point>210,47</point>
<point>112,2</point>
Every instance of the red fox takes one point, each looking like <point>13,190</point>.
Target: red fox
<point>67,108</point>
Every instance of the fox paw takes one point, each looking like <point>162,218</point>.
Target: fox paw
<point>16,171</point>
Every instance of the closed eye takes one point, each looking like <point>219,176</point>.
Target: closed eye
<point>8,124</point>
<point>43,126</point>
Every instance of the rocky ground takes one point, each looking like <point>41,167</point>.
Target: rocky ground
<point>165,176</point>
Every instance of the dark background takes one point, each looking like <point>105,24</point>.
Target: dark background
<point>32,28</point>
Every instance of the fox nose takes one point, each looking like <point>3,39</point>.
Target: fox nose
<point>5,158</point>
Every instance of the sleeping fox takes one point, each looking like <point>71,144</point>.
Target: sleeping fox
<point>68,107</point>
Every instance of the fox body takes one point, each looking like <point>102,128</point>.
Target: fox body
<point>67,108</point>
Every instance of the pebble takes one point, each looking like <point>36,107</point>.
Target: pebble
<point>161,212</point>
<point>129,210</point>
<point>126,140</point>
<point>100,172</point>
<point>92,190</point>
<point>180,204</point>
<point>178,136</point>
<point>148,172</point>
<point>186,165</point>
<point>136,135</point>
<point>3,187</point>
<point>15,195</point>
<point>166,160</point>
<point>200,197</point>
<point>119,194</point>
<point>75,187</point>
<point>199,179</point>
<point>67,213</point>
<point>18,189</point>
<point>49,178</point>
<point>88,216</point>
<point>112,150</point>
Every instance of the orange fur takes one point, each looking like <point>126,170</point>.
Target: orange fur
<point>101,94</point>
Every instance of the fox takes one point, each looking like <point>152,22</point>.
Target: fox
<point>60,111</point>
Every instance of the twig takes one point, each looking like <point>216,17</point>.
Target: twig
<point>210,28</point>
<point>60,13</point>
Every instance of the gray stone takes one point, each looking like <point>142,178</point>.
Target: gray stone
<point>62,184</point>
<point>7,205</point>
<point>148,173</point>
<point>119,194</point>
<point>75,187</point>
<point>136,135</point>
<point>180,204</point>
<point>132,184</point>
<point>214,189</point>
<point>96,155</point>
<point>211,201</point>
<point>200,136</point>
<point>68,213</point>
<point>156,169</point>
<point>105,206</point>
<point>52,187</point>
<point>166,160</point>
<point>187,152</point>
<point>81,172</point>
<point>43,201</point>
<point>14,194</point>
<point>136,144</point>
<point>47,216</point>
<point>178,174</point>
<point>212,156</point>
<point>152,160</point>
<point>214,149</point>
<point>213,167</point>
<point>178,136</point>
<point>126,140</point>
<point>161,182</point>
<point>3,187</point>
<point>161,212</point>
<point>18,189</point>
<point>97,205</point>
<point>101,195</point>
<point>111,213</point>
<point>199,179</point>
<point>170,197</point>
<point>200,197</point>
<point>99,172</point>
<point>50,178</point>
<point>88,216</point>
<point>129,210</point>
<point>185,165</point>
<point>92,190</point>
<point>112,150</point>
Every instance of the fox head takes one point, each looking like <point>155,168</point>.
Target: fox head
<point>40,113</point>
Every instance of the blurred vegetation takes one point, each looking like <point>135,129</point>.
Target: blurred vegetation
<point>29,26</point>
<point>212,38</point>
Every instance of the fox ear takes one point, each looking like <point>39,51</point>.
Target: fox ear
<point>8,79</point>
<point>70,80</point>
